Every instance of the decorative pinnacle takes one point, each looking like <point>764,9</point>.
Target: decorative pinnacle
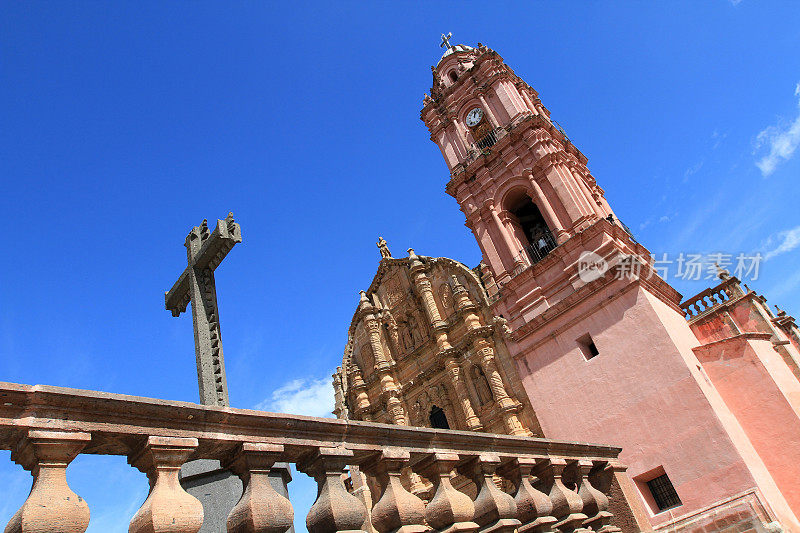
<point>385,253</point>
<point>722,273</point>
<point>446,40</point>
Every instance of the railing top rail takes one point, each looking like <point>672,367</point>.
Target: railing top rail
<point>119,424</point>
<point>709,292</point>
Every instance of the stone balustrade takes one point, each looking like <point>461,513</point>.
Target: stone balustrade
<point>708,299</point>
<point>517,483</point>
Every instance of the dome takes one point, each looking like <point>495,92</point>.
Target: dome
<point>456,48</point>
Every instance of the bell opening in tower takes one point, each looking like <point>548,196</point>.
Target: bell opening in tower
<point>438,419</point>
<point>538,239</point>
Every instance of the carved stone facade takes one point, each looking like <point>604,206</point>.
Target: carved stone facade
<point>424,349</point>
<point>703,397</point>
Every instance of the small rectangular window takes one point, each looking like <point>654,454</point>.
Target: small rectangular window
<point>663,492</point>
<point>588,347</point>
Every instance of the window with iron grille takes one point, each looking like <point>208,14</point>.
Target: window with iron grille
<point>663,492</point>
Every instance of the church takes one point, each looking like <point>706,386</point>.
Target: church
<point>566,331</point>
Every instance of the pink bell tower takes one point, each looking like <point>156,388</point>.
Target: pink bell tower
<point>600,342</point>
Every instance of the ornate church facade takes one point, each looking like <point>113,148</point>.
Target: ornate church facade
<point>566,331</point>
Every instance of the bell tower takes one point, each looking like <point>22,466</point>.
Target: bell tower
<point>598,340</point>
<point>522,185</point>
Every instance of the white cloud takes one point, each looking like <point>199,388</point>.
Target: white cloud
<point>693,170</point>
<point>782,141</point>
<point>788,241</point>
<point>717,137</point>
<point>303,396</point>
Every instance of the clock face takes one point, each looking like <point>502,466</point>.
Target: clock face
<point>474,117</point>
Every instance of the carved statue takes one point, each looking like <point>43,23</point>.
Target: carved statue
<point>382,246</point>
<point>405,336</point>
<point>446,295</point>
<point>481,386</point>
<point>415,333</point>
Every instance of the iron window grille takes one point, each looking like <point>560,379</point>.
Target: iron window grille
<point>663,492</point>
<point>487,141</point>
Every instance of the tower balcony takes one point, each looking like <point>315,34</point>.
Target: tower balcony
<point>546,485</point>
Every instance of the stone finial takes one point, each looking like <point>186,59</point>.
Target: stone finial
<point>414,259</point>
<point>363,301</point>
<point>722,273</point>
<point>385,253</point>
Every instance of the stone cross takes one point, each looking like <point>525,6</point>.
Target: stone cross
<point>205,251</point>
<point>446,41</point>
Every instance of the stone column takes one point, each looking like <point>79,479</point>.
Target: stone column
<point>507,405</point>
<point>388,385</point>
<point>547,210</point>
<point>423,286</point>
<point>454,370</point>
<point>459,134</point>
<point>489,113</point>
<point>513,249</point>
<point>361,399</point>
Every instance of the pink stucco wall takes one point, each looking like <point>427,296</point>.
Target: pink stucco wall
<point>753,380</point>
<point>645,391</point>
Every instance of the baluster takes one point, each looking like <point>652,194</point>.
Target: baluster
<point>449,510</point>
<point>51,505</point>
<point>534,507</point>
<point>261,509</point>
<point>567,505</point>
<point>595,503</point>
<point>168,508</point>
<point>336,510</point>
<point>397,510</point>
<point>495,511</point>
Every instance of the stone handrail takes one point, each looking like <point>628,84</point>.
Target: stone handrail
<point>705,301</point>
<point>552,485</point>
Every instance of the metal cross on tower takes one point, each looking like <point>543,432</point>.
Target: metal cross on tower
<point>205,251</point>
<point>446,40</point>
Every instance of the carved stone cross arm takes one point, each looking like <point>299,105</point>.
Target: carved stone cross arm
<point>205,250</point>
<point>202,252</point>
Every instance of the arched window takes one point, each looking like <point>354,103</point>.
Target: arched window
<point>438,419</point>
<point>538,240</point>
<point>453,76</point>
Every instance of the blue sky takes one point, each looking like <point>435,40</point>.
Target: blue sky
<point>125,124</point>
